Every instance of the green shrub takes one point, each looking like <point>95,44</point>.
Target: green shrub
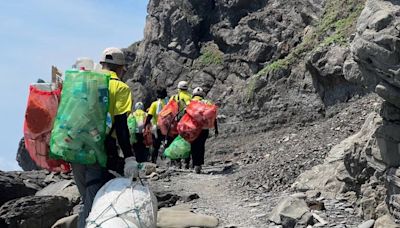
<point>210,54</point>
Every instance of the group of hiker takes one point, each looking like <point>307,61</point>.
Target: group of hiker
<point>149,151</point>
<point>140,134</point>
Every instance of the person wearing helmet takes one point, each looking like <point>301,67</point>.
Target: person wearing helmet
<point>90,178</point>
<point>183,96</point>
<point>139,147</point>
<point>152,117</point>
<point>198,145</point>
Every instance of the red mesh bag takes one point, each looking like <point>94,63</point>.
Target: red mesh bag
<point>39,118</point>
<point>167,119</point>
<point>202,113</point>
<point>148,136</point>
<point>188,128</point>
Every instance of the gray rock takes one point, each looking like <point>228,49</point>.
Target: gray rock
<point>376,42</point>
<point>326,68</point>
<point>325,177</point>
<point>289,211</point>
<point>67,222</point>
<point>367,224</point>
<point>12,187</point>
<point>389,93</point>
<point>34,211</point>
<point>64,188</point>
<point>388,139</point>
<point>385,221</point>
<point>23,158</point>
<point>300,195</point>
<point>190,197</point>
<point>390,112</point>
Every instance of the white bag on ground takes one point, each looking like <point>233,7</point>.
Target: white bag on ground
<point>123,203</point>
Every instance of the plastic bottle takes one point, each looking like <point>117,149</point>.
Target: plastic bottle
<point>95,134</point>
<point>92,94</point>
<point>85,157</point>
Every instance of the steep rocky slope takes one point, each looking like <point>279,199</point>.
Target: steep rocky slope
<point>249,57</point>
<point>267,64</point>
<point>291,78</point>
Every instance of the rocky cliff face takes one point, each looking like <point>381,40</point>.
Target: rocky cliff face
<point>368,165</point>
<point>274,63</point>
<point>250,57</point>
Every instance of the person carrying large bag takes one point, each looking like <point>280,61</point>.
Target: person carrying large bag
<point>203,113</point>
<point>152,118</point>
<point>90,172</point>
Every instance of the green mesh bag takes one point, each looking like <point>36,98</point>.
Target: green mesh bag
<point>80,127</point>
<point>179,149</point>
<point>132,128</point>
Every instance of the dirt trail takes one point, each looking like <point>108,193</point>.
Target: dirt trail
<point>219,198</point>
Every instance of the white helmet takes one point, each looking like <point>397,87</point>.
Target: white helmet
<point>139,105</point>
<point>198,91</point>
<point>183,85</point>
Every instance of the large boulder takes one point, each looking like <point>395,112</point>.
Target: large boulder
<point>65,188</point>
<point>12,187</point>
<point>327,67</point>
<point>289,211</point>
<point>332,176</point>
<point>385,221</point>
<point>34,211</point>
<point>24,159</point>
<point>375,47</point>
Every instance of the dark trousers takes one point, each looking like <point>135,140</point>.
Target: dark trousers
<point>199,148</point>
<point>89,179</point>
<point>141,152</point>
<point>156,145</point>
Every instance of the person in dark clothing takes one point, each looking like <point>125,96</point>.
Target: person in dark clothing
<point>152,117</point>
<point>198,145</point>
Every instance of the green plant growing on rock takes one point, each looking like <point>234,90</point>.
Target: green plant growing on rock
<point>210,54</point>
<point>336,25</point>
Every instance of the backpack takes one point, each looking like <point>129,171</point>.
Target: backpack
<point>41,110</point>
<point>80,127</point>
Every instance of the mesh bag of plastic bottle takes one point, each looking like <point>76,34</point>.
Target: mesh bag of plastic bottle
<point>122,202</point>
<point>39,118</point>
<point>132,129</point>
<point>179,149</point>
<point>167,119</point>
<point>188,128</point>
<point>148,136</point>
<point>203,112</point>
<point>80,127</point>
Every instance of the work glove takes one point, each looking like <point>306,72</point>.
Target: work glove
<point>131,168</point>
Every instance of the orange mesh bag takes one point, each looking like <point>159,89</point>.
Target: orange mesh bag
<point>148,136</point>
<point>167,119</point>
<point>188,128</point>
<point>203,113</point>
<point>39,118</point>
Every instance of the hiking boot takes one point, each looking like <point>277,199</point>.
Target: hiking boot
<point>197,169</point>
